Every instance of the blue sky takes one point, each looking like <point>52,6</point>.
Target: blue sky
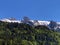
<point>34,9</point>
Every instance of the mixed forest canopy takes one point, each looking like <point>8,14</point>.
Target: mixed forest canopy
<point>25,34</point>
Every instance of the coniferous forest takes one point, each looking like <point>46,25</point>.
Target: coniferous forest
<point>24,34</point>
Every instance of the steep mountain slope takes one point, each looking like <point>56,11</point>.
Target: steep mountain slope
<point>24,34</point>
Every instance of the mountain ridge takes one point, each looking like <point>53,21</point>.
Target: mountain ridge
<point>50,24</point>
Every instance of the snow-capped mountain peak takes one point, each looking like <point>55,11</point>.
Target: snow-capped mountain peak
<point>8,20</point>
<point>52,25</point>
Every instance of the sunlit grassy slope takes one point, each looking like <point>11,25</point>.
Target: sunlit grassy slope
<point>24,34</point>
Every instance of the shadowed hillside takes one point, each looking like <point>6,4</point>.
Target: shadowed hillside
<point>24,34</point>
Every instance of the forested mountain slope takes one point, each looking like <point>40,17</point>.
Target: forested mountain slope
<point>24,34</point>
